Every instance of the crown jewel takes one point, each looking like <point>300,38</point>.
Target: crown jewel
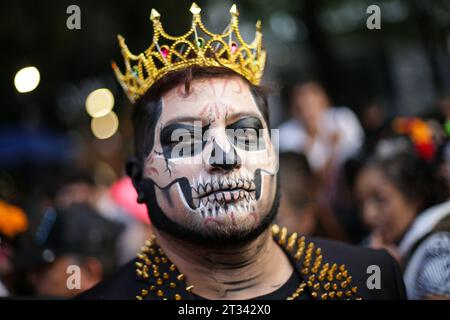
<point>198,46</point>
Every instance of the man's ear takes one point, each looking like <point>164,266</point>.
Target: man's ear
<point>133,169</point>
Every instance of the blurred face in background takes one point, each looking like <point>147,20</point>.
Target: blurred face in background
<point>309,102</point>
<point>384,208</point>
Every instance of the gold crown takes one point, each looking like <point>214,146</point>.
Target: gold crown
<point>168,53</point>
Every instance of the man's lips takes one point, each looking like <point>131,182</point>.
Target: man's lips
<point>219,184</point>
<point>227,192</point>
<point>223,196</point>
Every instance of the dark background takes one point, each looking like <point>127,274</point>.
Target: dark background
<point>404,66</point>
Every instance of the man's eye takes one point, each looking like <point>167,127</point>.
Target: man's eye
<point>186,145</point>
<point>246,138</point>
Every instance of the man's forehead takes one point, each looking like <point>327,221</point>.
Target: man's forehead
<point>228,92</point>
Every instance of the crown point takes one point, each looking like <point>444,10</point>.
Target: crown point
<point>234,10</point>
<point>258,25</point>
<point>120,39</point>
<point>154,15</point>
<point>195,9</point>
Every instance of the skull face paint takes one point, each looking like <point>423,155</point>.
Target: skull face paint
<point>222,185</point>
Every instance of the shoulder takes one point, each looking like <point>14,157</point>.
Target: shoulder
<point>339,271</point>
<point>428,271</point>
<point>365,265</point>
<point>122,285</point>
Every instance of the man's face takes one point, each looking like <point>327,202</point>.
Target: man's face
<point>212,166</point>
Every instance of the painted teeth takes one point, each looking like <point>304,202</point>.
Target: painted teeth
<point>246,184</point>
<point>252,185</point>
<point>219,196</point>
<point>208,188</point>
<point>240,183</point>
<point>203,212</point>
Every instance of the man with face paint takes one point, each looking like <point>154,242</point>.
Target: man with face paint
<point>206,168</point>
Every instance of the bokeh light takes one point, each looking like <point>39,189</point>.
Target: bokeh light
<point>105,127</point>
<point>27,79</point>
<point>99,102</point>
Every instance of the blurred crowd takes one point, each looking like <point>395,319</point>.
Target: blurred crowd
<point>95,228</point>
<point>370,179</point>
<point>381,182</point>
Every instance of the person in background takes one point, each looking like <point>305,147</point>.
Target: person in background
<point>326,135</point>
<point>301,208</point>
<point>116,203</point>
<point>13,222</point>
<point>403,200</point>
<point>59,239</point>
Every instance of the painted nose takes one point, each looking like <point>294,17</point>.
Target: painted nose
<point>224,160</point>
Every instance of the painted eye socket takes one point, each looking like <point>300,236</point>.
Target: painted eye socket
<point>181,141</point>
<point>245,138</point>
<point>247,134</point>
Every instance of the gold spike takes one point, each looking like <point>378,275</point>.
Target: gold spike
<point>180,277</point>
<point>188,289</point>
<point>291,240</point>
<point>154,15</point>
<point>177,296</point>
<point>283,234</point>
<point>195,9</point>
<point>234,10</point>
<point>258,25</point>
<point>275,229</point>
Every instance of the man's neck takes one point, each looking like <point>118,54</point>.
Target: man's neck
<point>244,272</point>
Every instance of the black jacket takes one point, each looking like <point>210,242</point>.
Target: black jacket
<point>335,282</point>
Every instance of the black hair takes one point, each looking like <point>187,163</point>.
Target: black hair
<point>417,179</point>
